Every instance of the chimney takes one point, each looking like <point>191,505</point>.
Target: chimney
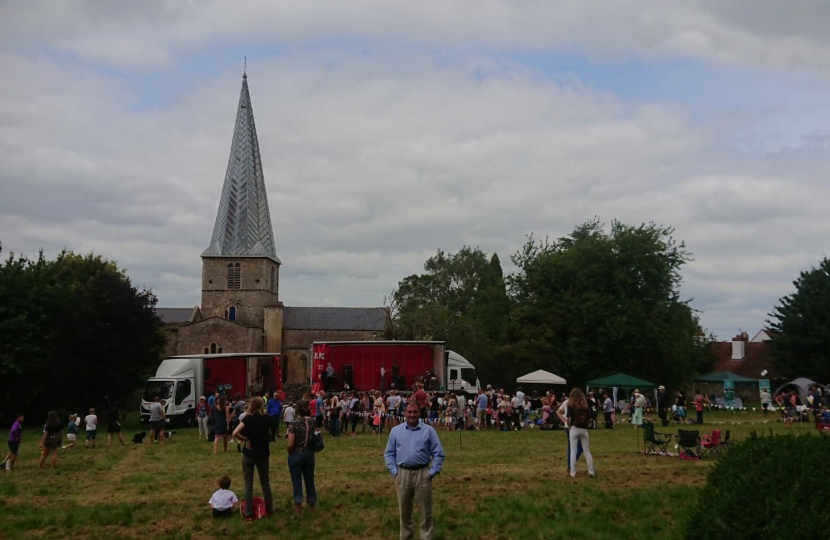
<point>739,346</point>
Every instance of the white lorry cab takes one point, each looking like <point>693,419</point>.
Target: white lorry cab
<point>461,375</point>
<point>181,380</point>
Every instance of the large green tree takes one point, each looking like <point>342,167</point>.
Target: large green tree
<point>74,332</point>
<point>595,302</point>
<point>460,299</point>
<point>801,327</point>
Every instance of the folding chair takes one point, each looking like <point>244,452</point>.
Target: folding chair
<point>711,443</point>
<point>654,442</point>
<point>689,442</point>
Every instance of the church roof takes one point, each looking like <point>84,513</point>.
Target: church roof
<point>243,222</point>
<point>334,318</point>
<point>174,315</point>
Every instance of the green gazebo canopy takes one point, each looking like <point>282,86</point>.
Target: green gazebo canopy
<point>620,380</point>
<point>721,376</point>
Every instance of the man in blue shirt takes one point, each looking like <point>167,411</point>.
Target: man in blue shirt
<point>274,410</point>
<point>410,449</point>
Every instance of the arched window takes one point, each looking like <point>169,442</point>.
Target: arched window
<point>206,350</point>
<point>220,350</point>
<point>232,313</point>
<point>273,285</point>
<point>213,348</point>
<point>233,275</point>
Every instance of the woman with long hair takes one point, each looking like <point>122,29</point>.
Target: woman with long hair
<point>579,418</point>
<point>254,431</point>
<point>301,457</point>
<point>50,441</point>
<point>114,424</point>
<point>220,424</point>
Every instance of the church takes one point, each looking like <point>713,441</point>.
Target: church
<point>240,308</point>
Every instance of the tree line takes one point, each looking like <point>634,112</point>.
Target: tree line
<point>74,333</point>
<point>588,304</point>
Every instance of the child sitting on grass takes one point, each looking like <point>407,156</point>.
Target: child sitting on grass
<point>222,501</point>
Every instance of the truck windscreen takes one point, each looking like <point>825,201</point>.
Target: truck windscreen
<point>468,375</point>
<point>162,389</point>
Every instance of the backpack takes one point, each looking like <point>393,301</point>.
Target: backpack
<point>581,418</point>
<point>259,508</point>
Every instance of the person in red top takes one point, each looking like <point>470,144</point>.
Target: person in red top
<point>421,397</point>
<point>699,401</point>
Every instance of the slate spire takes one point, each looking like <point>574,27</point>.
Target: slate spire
<point>243,222</point>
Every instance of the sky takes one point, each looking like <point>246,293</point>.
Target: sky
<point>389,130</point>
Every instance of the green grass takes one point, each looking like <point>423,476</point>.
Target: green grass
<point>494,485</point>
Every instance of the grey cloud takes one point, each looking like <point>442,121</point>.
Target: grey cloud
<point>374,162</point>
<point>146,36</point>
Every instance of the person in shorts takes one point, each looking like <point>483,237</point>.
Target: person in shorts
<point>157,421</point>
<point>72,431</point>
<point>91,421</point>
<point>15,438</point>
<point>223,499</point>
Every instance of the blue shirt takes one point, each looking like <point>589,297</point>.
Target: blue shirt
<point>481,402</point>
<point>210,401</point>
<point>273,407</point>
<point>321,407</point>
<point>412,447</point>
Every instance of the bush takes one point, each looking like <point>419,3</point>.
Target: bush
<point>766,487</point>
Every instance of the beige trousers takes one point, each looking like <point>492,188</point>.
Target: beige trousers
<point>415,487</point>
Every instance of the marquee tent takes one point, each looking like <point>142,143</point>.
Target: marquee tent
<point>620,380</point>
<point>802,386</point>
<point>540,376</point>
<point>721,376</point>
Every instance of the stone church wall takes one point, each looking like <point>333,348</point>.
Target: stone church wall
<point>231,337</point>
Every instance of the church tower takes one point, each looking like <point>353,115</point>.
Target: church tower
<point>240,268</point>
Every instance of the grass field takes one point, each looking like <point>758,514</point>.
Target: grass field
<point>494,485</point>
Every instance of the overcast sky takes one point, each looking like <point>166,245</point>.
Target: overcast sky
<point>389,130</point>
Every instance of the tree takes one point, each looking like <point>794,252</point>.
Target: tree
<point>74,332</point>
<point>800,325</point>
<point>594,303</point>
<point>460,299</point>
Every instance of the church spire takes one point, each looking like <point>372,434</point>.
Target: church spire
<point>243,222</point>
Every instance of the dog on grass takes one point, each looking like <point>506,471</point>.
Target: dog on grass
<point>138,438</point>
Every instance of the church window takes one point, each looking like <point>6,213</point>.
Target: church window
<point>233,275</point>
<point>273,285</point>
<point>213,348</point>
<point>206,350</point>
<point>232,313</point>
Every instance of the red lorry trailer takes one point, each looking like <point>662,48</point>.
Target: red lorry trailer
<point>357,365</point>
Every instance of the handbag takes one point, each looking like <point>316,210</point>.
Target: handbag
<point>317,444</point>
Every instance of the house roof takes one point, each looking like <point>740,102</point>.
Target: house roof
<point>243,222</point>
<point>174,315</point>
<point>757,358</point>
<point>334,318</point>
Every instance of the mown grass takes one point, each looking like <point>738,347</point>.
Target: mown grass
<point>494,485</point>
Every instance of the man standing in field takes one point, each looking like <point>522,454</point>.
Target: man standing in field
<point>157,421</point>
<point>409,450</point>
<point>481,409</point>
<point>274,410</point>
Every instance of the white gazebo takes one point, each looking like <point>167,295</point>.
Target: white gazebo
<point>540,376</point>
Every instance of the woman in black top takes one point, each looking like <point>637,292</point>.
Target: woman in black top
<point>51,439</point>
<point>114,424</point>
<point>253,430</point>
